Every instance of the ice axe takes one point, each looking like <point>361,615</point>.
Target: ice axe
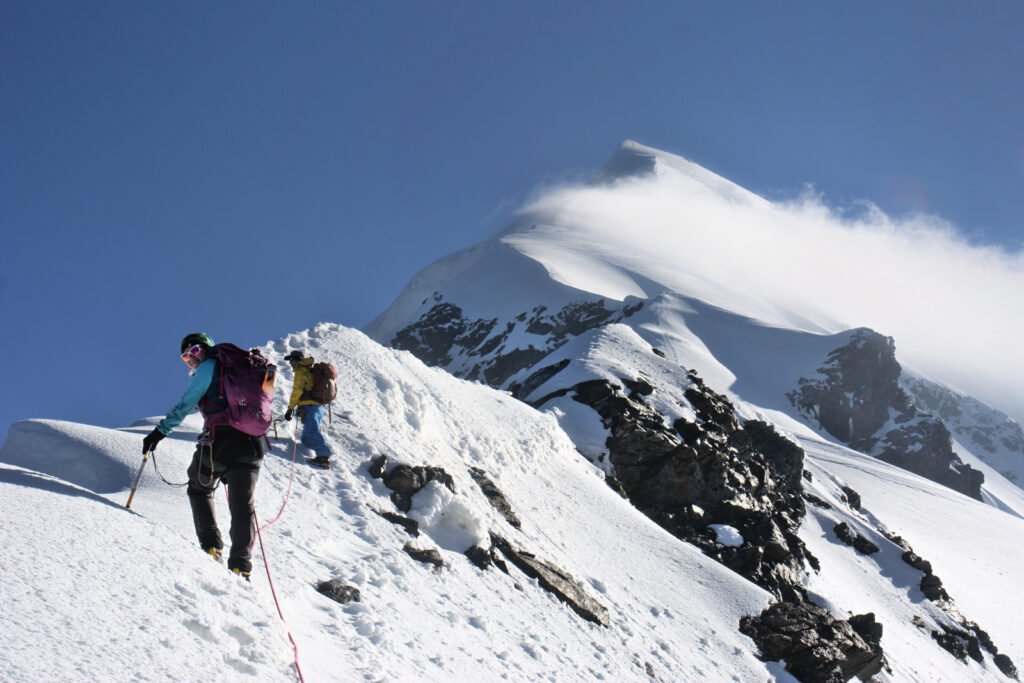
<point>138,478</point>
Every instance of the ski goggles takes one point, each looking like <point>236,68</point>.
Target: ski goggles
<point>192,353</point>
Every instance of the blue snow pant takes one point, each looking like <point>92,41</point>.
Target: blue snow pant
<point>311,417</point>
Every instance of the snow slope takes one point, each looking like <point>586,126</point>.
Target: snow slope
<point>974,548</point>
<point>128,596</point>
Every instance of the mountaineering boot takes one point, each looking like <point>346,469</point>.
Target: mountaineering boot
<point>321,461</point>
<point>241,572</point>
<point>215,553</point>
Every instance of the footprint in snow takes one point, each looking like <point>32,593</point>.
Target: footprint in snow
<point>201,630</point>
<point>241,666</point>
<point>241,635</point>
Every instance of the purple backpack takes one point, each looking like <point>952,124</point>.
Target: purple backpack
<point>245,392</point>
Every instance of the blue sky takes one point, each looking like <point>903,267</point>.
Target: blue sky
<point>251,169</point>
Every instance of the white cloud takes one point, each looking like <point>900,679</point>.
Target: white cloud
<point>955,309</point>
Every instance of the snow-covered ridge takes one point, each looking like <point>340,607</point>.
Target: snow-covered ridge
<point>633,160</point>
<point>672,611</point>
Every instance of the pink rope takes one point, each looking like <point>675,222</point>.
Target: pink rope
<point>291,476</point>
<point>266,565</point>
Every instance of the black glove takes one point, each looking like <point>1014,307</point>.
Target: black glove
<point>152,439</point>
<point>288,414</point>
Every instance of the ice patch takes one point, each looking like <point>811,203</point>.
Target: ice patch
<point>727,535</point>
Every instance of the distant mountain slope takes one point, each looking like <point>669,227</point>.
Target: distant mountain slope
<point>501,311</point>
<point>684,387</point>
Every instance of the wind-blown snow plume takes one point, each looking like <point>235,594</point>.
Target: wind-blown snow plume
<point>954,308</point>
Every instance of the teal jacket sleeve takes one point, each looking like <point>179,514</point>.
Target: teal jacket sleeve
<point>197,386</point>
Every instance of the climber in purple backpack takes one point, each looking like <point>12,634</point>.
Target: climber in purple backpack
<point>233,389</point>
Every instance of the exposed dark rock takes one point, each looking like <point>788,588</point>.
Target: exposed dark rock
<point>658,352</point>
<point>571,321</point>
<point>547,397</point>
<point>508,364</point>
<point>917,562</point>
<point>615,485</point>
<point>852,497</point>
<point>402,501</point>
<point>812,560</point>
<point>815,645</point>
<point>1006,665</point>
<point>931,586</point>
<point>967,639</point>
<point>432,336</point>
<point>857,386</point>
<point>424,555</point>
<point>894,537</point>
<point>556,581</point>
<point>985,430</point>
<point>857,392</point>
<point>536,379</point>
<point>338,591</point>
<point>923,445</point>
<point>408,479</point>
<point>485,558</point>
<point>745,476</point>
<point>378,466</point>
<point>811,498</point>
<point>690,431</point>
<point>405,481</point>
<point>475,349</point>
<point>411,526</point>
<point>638,387</point>
<point>494,495</point>
<point>866,627</point>
<point>959,643</point>
<point>854,540</point>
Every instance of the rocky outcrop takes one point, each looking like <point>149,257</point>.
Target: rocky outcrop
<point>406,480</point>
<point>857,398</point>
<point>988,433</point>
<point>411,526</point>
<point>478,349</point>
<point>716,471</point>
<point>960,637</point>
<point>495,497</point>
<point>554,580</point>
<point>709,471</point>
<point>425,555</point>
<point>848,536</point>
<point>923,445</point>
<point>338,591</point>
<point>815,645</point>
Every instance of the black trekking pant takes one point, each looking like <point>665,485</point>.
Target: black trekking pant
<point>234,458</point>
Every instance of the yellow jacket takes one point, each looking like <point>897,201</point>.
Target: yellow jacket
<point>303,384</point>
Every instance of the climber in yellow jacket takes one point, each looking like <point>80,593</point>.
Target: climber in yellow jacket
<point>310,410</point>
